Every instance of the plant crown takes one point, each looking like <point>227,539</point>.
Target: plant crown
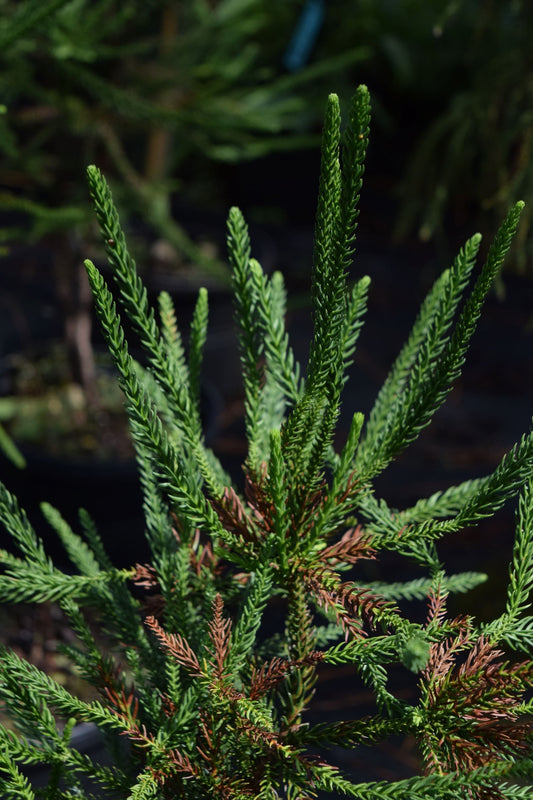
<point>210,701</point>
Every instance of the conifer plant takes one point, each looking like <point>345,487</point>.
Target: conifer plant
<point>197,696</point>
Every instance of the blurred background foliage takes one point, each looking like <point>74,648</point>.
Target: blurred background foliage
<point>471,158</point>
<point>156,93</point>
<point>165,95</point>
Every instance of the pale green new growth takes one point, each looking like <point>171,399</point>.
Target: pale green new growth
<point>216,644</point>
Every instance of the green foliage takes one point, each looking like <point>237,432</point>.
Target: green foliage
<point>147,90</point>
<point>10,449</point>
<point>212,703</point>
<point>453,94</point>
<point>474,151</point>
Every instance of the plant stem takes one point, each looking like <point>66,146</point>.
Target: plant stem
<point>76,298</point>
<point>160,138</point>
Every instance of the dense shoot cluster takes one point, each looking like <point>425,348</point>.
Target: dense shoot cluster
<point>211,702</point>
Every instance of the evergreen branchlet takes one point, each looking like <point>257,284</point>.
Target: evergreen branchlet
<point>211,703</point>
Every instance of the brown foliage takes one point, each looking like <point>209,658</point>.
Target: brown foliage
<point>473,707</point>
<point>351,547</point>
<point>272,673</point>
<point>177,646</point>
<point>353,606</point>
<point>220,635</point>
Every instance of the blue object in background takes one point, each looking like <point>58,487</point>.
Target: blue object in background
<point>304,35</point>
